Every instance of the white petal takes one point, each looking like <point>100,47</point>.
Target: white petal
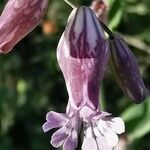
<point>97,132</point>
<point>102,126</point>
<point>111,137</point>
<point>89,143</point>
<point>102,143</point>
<point>118,125</point>
<point>99,143</point>
<point>88,132</point>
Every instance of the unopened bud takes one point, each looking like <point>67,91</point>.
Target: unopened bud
<point>126,69</point>
<point>18,18</point>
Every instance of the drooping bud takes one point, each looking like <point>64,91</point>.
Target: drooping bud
<point>18,18</point>
<point>82,54</point>
<point>126,69</point>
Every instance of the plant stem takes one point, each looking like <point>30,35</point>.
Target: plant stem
<point>70,4</point>
<point>107,30</point>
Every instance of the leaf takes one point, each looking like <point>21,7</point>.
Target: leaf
<point>135,111</point>
<point>137,120</point>
<point>140,130</point>
<point>115,13</point>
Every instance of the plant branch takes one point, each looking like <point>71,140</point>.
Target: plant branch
<point>107,30</point>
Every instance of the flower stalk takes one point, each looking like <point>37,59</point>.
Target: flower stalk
<point>107,30</point>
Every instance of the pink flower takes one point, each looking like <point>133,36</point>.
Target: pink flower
<point>82,54</point>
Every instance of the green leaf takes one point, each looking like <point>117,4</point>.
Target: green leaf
<point>142,128</point>
<point>115,13</point>
<point>137,120</point>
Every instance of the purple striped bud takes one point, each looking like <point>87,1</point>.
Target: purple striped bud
<point>82,54</point>
<point>18,18</point>
<point>126,69</point>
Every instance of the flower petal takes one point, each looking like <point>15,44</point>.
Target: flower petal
<point>58,117</point>
<point>88,143</point>
<point>112,138</point>
<point>70,143</point>
<point>102,126</point>
<point>47,126</point>
<point>117,125</point>
<point>58,137</point>
<point>88,132</point>
<point>99,143</point>
<point>102,143</point>
<point>97,132</point>
<point>86,111</point>
<point>55,120</point>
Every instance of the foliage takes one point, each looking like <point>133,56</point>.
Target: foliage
<point>31,82</point>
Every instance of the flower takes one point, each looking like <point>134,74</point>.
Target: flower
<point>18,18</point>
<point>126,69</point>
<point>82,55</point>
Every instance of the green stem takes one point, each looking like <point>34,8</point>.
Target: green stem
<point>70,4</point>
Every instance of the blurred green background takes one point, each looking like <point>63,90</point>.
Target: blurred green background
<point>31,83</point>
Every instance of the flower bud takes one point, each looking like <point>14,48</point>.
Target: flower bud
<point>18,18</point>
<point>82,54</point>
<point>100,9</point>
<point>126,70</point>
